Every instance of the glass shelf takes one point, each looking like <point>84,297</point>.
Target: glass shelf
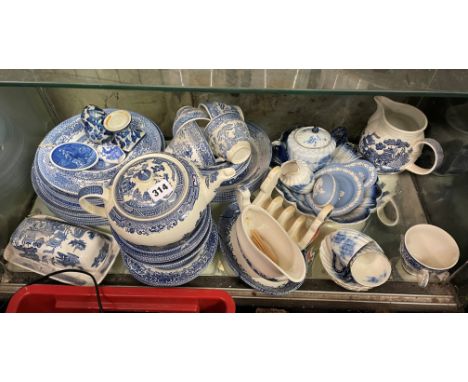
<point>434,82</point>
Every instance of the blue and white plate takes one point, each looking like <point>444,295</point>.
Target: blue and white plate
<point>73,156</point>
<point>365,171</point>
<point>172,252</point>
<point>71,130</point>
<point>43,244</point>
<point>236,261</point>
<point>153,275</point>
<point>351,189</point>
<point>257,169</point>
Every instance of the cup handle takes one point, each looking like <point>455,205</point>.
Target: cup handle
<point>93,192</point>
<point>444,276</point>
<point>383,215</point>
<point>438,153</point>
<point>423,278</point>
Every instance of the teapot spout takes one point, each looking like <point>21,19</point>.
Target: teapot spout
<point>214,180</point>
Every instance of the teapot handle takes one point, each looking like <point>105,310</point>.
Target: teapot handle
<point>438,157</point>
<point>96,192</point>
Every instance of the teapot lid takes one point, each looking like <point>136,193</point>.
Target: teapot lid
<point>312,137</point>
<point>153,185</point>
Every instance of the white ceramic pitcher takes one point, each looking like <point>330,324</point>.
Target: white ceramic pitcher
<point>394,138</point>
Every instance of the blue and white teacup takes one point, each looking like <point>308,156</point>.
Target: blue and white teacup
<point>215,109</point>
<point>229,138</point>
<point>297,176</point>
<point>428,250</point>
<point>358,258</point>
<point>190,143</point>
<point>93,118</point>
<point>126,132</point>
<point>187,114</point>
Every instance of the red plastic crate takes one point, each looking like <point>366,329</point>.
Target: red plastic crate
<point>74,299</point>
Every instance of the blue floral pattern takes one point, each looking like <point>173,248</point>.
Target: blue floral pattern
<point>387,155</point>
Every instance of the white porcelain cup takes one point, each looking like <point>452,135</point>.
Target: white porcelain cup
<point>427,249</point>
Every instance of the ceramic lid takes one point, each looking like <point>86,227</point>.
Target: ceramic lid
<point>312,137</point>
<point>154,185</point>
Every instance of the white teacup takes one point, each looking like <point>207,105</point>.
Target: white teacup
<point>427,249</point>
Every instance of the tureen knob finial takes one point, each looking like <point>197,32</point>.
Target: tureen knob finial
<point>315,129</point>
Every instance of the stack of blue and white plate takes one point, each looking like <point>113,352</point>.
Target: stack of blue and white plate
<point>176,263</point>
<point>59,187</point>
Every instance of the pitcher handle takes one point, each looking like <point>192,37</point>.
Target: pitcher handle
<point>382,215</point>
<point>93,192</point>
<point>438,157</point>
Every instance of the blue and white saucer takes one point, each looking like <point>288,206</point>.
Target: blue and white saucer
<point>228,241</point>
<point>71,130</point>
<point>155,276</point>
<point>257,169</point>
<point>73,156</point>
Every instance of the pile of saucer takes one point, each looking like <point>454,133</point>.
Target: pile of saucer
<point>69,159</point>
<point>215,136</point>
<point>174,264</point>
<point>354,261</point>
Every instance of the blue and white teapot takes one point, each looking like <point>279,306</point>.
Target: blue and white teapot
<point>155,199</point>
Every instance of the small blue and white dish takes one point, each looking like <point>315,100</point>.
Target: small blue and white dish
<point>190,143</point>
<point>153,275</point>
<point>43,244</point>
<point>73,156</point>
<point>92,118</point>
<point>236,261</point>
<point>351,190</point>
<point>111,153</point>
<point>187,114</point>
<point>172,252</point>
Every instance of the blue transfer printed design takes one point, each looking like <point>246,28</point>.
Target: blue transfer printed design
<point>92,118</point>
<point>103,252</point>
<point>138,203</point>
<point>227,134</point>
<point>67,259</point>
<point>190,143</point>
<point>188,114</point>
<point>153,275</point>
<point>69,183</point>
<point>216,109</point>
<point>74,156</point>
<point>171,252</point>
<point>78,244</point>
<point>111,153</point>
<point>129,137</point>
<point>387,155</point>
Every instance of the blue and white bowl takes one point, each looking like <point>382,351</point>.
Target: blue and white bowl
<point>153,275</point>
<point>73,156</point>
<point>187,114</point>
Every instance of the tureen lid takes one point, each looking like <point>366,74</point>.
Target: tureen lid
<point>312,137</point>
<point>154,185</point>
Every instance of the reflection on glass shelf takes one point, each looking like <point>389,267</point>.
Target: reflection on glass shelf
<point>291,80</point>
